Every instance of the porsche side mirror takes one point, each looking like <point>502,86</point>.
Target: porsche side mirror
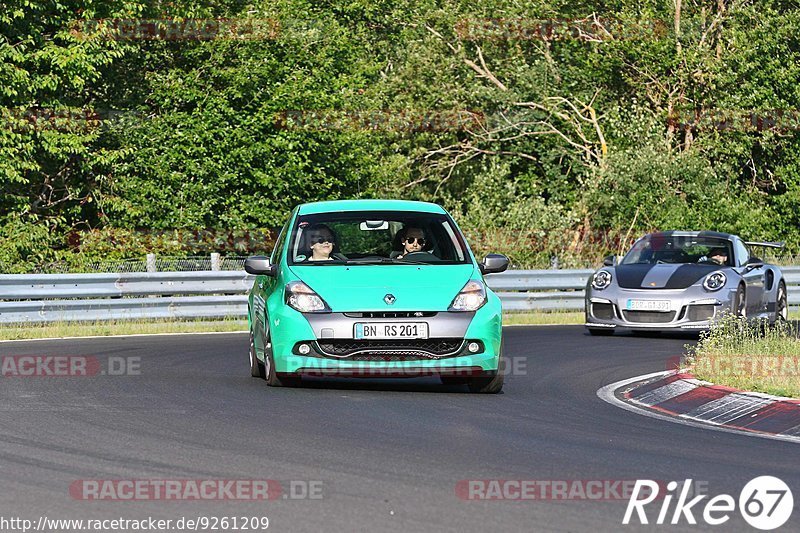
<point>610,260</point>
<point>754,263</point>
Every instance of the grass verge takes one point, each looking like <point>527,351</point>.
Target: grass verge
<point>749,356</point>
<point>122,327</point>
<point>543,318</point>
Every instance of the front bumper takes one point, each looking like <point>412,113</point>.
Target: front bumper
<point>688,310</point>
<point>331,350</point>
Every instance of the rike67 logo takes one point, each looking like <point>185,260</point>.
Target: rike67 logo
<point>765,503</point>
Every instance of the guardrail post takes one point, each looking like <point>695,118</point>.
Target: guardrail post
<point>215,261</point>
<point>151,262</point>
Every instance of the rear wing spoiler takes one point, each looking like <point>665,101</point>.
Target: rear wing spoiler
<point>766,244</point>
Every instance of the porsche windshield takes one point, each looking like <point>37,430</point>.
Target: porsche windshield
<point>376,237</point>
<point>659,248</point>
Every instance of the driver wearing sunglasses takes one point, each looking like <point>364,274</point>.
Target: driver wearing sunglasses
<point>413,240</point>
<point>321,240</point>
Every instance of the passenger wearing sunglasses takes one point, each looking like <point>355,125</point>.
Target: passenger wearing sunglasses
<point>321,240</point>
<point>413,240</point>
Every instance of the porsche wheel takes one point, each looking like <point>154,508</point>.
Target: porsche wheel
<point>782,304</point>
<point>740,302</point>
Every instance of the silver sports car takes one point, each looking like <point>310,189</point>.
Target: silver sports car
<point>684,280</point>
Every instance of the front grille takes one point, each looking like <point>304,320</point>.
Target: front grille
<point>603,311</point>
<point>648,317</point>
<point>388,358</point>
<point>700,313</point>
<point>392,314</point>
<point>410,348</point>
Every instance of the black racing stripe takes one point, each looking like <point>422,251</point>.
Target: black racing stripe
<point>631,276</point>
<point>687,275</point>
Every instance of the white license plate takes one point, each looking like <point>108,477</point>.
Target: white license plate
<point>648,305</point>
<point>391,330</point>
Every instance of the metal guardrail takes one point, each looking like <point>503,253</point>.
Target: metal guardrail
<point>218,294</point>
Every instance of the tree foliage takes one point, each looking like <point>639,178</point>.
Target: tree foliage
<point>584,124</point>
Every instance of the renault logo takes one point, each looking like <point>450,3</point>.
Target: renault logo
<point>389,299</point>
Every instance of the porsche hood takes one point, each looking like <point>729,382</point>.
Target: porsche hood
<point>662,276</point>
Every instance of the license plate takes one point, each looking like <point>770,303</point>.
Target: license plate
<point>648,305</point>
<point>392,330</point>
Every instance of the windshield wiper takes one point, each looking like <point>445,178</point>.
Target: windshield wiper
<point>320,263</point>
<point>384,261</point>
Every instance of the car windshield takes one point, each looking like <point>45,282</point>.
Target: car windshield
<point>660,248</point>
<point>376,237</point>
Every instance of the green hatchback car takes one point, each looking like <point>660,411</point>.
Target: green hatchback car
<point>374,288</point>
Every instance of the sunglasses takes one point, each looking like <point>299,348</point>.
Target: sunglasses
<point>420,240</point>
<point>320,240</point>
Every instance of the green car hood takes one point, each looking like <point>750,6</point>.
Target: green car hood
<point>363,287</point>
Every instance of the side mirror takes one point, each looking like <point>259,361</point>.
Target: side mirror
<point>754,262</point>
<point>493,263</point>
<point>610,260</point>
<point>260,266</point>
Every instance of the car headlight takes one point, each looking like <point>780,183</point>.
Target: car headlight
<point>601,280</point>
<point>470,298</point>
<point>299,296</point>
<point>714,281</point>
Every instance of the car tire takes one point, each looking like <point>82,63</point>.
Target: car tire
<point>257,369</point>
<point>781,304</point>
<point>272,377</point>
<point>740,302</point>
<point>600,332</point>
<point>491,384</point>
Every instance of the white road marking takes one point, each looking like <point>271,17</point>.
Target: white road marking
<point>723,410</point>
<point>667,392</point>
<point>607,395</point>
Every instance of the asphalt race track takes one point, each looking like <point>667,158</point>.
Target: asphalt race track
<point>383,455</point>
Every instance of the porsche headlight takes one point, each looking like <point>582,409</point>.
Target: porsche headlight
<point>301,297</point>
<point>470,298</point>
<point>601,280</point>
<point>714,281</point>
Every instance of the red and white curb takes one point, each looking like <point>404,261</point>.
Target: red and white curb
<point>680,398</point>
